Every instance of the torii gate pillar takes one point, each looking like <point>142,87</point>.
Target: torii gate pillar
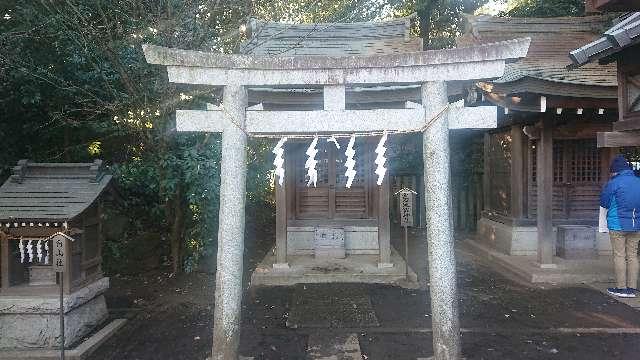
<point>233,174</point>
<point>442,271</point>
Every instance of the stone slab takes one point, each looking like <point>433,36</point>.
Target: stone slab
<point>313,307</point>
<point>334,347</point>
<point>80,352</point>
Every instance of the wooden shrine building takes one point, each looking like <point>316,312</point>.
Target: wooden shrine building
<point>543,170</point>
<point>38,202</point>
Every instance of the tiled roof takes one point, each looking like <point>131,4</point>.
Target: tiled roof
<point>622,35</point>
<point>51,191</point>
<point>546,61</point>
<point>330,39</point>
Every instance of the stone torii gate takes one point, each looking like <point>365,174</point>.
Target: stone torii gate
<point>431,69</point>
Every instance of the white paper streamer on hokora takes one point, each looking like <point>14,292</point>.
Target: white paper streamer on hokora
<point>350,164</point>
<point>380,159</point>
<point>334,141</point>
<point>39,250</point>
<point>46,257</point>
<point>30,250</point>
<point>279,160</point>
<point>21,248</point>
<point>310,165</point>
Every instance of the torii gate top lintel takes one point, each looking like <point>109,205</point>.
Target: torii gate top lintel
<point>468,63</point>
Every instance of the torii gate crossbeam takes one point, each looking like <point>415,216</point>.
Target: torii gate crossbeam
<point>430,68</point>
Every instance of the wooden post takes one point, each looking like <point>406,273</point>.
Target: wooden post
<point>485,173</point>
<point>517,172</point>
<point>67,275</point>
<point>544,178</point>
<point>384,226</point>
<point>4,260</point>
<point>281,223</point>
<point>62,335</point>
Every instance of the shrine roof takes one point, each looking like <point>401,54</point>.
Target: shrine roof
<point>544,69</point>
<point>51,191</point>
<point>620,36</point>
<point>330,39</point>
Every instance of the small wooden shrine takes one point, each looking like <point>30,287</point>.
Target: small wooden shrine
<point>358,212</point>
<point>543,169</point>
<point>36,202</point>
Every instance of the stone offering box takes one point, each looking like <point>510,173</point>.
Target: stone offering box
<point>38,201</point>
<point>576,242</point>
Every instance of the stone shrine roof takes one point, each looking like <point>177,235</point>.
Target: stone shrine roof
<point>51,191</point>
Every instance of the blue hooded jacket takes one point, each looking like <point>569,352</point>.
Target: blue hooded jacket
<point>621,196</point>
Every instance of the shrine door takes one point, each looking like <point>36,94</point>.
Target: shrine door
<point>576,180</point>
<point>330,198</point>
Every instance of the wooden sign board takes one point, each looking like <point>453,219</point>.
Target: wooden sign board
<point>60,248</point>
<point>59,253</point>
<point>406,208</point>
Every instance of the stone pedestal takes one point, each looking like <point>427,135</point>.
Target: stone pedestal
<point>33,322</point>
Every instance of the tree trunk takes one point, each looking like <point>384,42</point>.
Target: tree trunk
<point>177,230</point>
<point>425,10</point>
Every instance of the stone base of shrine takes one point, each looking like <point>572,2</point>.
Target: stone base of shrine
<point>523,240</point>
<point>81,351</point>
<point>33,321</point>
<point>352,269</point>
<point>526,268</point>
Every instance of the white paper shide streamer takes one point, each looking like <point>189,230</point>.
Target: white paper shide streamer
<point>278,162</point>
<point>39,250</point>
<point>46,257</point>
<point>333,140</point>
<point>350,164</point>
<point>380,159</point>
<point>21,248</point>
<point>30,250</point>
<point>311,163</point>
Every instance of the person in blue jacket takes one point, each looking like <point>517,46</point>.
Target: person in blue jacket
<point>621,198</point>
